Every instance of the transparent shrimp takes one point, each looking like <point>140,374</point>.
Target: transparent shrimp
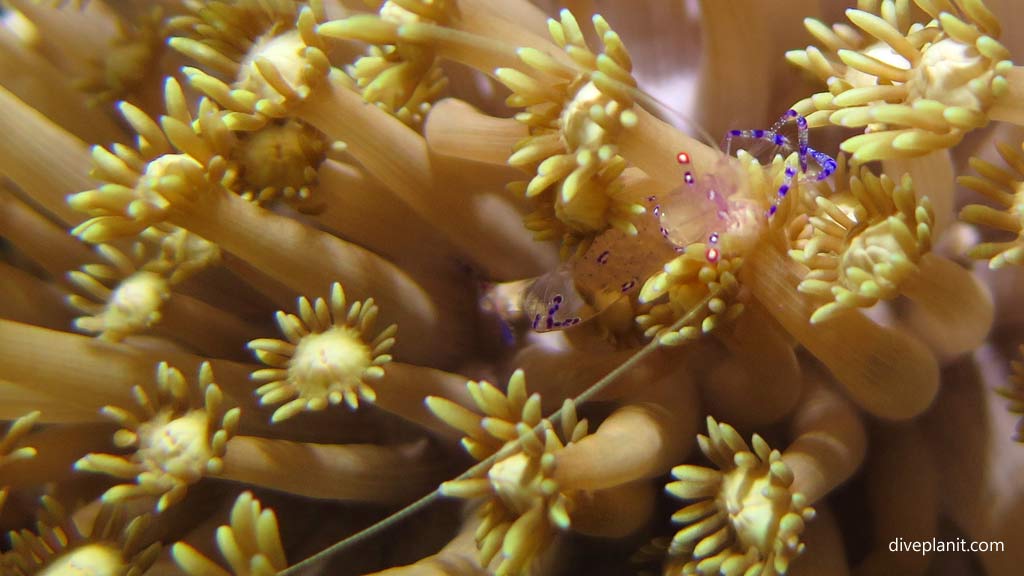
<point>703,209</point>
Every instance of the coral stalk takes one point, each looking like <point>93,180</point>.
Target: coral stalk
<point>456,128</point>
<point>933,177</point>
<point>92,374</point>
<point>614,512</point>
<point>280,246</point>
<point>652,145</point>
<point>402,388</point>
<point>47,89</point>
<point>29,142</point>
<point>759,383</point>
<point>27,299</point>
<point>36,236</point>
<point>950,309</point>
<point>828,444</point>
<point>57,449</point>
<point>397,156</point>
<point>457,558</point>
<point>903,493</point>
<point>642,439</point>
<point>359,472</point>
<point>885,371</point>
<point>358,208</point>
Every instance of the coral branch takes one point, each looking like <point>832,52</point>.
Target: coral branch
<point>358,472</point>
<point>886,372</point>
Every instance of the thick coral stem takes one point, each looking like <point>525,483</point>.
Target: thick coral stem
<point>888,373</point>
<point>760,382</point>
<point>903,491</point>
<point>47,89</point>
<point>404,386</point>
<point>91,373</point>
<point>932,175</point>
<point>358,208</point>
<point>283,246</point>
<point>57,449</point>
<point>652,146</point>
<point>455,128</point>
<point>28,146</point>
<point>207,329</point>
<point>398,157</point>
<point>360,472</point>
<point>616,512</point>
<point>639,440</point>
<point>828,445</point>
<point>565,372</point>
<point>457,558</point>
<point>736,54</point>
<point>952,311</point>
<point>25,298</point>
<point>39,238</point>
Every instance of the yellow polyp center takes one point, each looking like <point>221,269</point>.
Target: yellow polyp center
<point>94,559</point>
<point>876,251</point>
<point>516,483</point>
<point>280,156</point>
<point>136,302</point>
<point>126,65</point>
<point>394,13</point>
<point>585,212</point>
<point>329,362</point>
<point>579,130</point>
<point>753,516</point>
<point>178,446</point>
<point>284,51</point>
<point>167,178</point>
<point>946,68</point>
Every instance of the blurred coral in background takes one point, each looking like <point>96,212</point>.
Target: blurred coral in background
<point>462,287</point>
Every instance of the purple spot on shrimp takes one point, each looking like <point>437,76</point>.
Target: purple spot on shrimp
<point>736,132</point>
<point>713,238</point>
<point>792,113</point>
<point>773,210</point>
<point>550,323</point>
<point>779,140</point>
<point>758,133</point>
<point>783,190</point>
<point>536,321</point>
<point>626,286</point>
<point>602,258</point>
<point>557,299</point>
<point>652,198</point>
<point>688,178</point>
